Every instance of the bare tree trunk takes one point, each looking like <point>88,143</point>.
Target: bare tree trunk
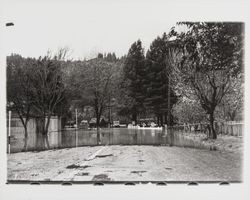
<point>46,131</point>
<point>98,129</point>
<point>134,117</point>
<point>165,118</point>
<point>39,134</point>
<point>213,134</point>
<point>25,147</point>
<point>47,141</point>
<point>232,115</point>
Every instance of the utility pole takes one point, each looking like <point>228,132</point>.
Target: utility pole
<point>76,117</point>
<point>76,129</point>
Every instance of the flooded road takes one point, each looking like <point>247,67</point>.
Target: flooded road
<point>81,137</point>
<point>115,136</point>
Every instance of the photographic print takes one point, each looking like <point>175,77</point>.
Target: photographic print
<point>95,95</point>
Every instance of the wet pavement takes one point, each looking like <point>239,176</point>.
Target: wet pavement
<point>126,163</point>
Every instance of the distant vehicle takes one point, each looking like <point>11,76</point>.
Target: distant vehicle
<point>70,125</point>
<point>84,124</point>
<point>116,124</point>
<point>123,125</point>
<point>152,124</point>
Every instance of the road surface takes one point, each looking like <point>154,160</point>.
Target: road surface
<point>125,163</point>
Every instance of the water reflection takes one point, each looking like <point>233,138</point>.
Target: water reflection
<point>116,136</point>
<point>77,138</point>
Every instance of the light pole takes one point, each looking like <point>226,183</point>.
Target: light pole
<point>9,131</point>
<point>76,117</point>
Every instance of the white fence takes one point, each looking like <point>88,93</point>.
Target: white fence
<point>233,128</point>
<point>17,134</point>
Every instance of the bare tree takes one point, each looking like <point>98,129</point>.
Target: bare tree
<point>47,92</point>
<point>18,93</point>
<point>94,84</point>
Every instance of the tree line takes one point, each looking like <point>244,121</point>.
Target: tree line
<point>185,76</point>
<point>189,76</point>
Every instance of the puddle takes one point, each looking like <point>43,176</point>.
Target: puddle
<point>34,174</point>
<point>77,166</point>
<point>141,160</point>
<point>138,172</point>
<point>101,177</point>
<point>59,172</point>
<point>103,156</point>
<point>168,168</point>
<point>83,174</point>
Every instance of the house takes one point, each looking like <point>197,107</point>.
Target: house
<point>103,122</point>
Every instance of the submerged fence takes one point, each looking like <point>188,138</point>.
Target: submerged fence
<point>232,128</point>
<point>196,135</point>
<point>17,138</point>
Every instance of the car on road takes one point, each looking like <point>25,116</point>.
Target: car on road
<point>116,124</point>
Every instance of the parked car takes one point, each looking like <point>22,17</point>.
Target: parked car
<point>116,124</point>
<point>84,124</point>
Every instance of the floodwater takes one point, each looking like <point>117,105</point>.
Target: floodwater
<point>76,138</point>
<point>113,136</point>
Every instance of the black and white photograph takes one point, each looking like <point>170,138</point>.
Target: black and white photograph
<point>109,92</point>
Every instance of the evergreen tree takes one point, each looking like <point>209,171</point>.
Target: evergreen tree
<point>110,57</point>
<point>160,95</point>
<point>134,76</point>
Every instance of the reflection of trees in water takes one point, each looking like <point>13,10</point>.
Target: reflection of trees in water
<point>114,137</point>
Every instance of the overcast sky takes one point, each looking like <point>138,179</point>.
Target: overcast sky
<point>86,27</point>
<point>91,26</point>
